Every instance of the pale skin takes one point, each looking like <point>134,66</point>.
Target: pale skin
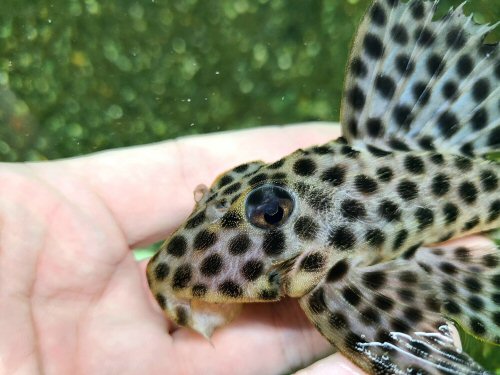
<point>74,301</point>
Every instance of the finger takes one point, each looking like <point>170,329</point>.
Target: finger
<point>333,364</point>
<point>149,189</point>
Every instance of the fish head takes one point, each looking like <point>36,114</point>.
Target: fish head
<point>239,243</point>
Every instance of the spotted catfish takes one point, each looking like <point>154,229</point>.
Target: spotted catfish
<point>352,227</point>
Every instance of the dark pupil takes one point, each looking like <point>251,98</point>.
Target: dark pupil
<point>268,206</point>
<point>274,217</point>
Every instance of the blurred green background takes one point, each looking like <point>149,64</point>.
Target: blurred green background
<point>78,76</point>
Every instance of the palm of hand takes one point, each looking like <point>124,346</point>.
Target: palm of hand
<point>74,300</point>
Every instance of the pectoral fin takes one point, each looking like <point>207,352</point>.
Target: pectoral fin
<point>387,319</point>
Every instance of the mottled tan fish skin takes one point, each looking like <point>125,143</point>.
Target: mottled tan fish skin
<point>350,227</point>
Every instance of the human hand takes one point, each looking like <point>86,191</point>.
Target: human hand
<point>74,301</point>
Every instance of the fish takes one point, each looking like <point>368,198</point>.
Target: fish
<point>360,230</point>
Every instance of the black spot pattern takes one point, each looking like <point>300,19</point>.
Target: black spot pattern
<point>378,152</point>
<point>358,68</point>
<point>374,279</point>
<point>373,46</point>
<point>450,212</point>
<point>473,285</point>
<point>196,220</point>
<point>440,185</point>
<point>241,168</point>
<point>199,290</point>
<point>475,303</point>
<point>277,164</point>
<point>225,180</point>
<point>375,237</point>
<point>182,277</point>
<point>378,15</point>
<point>252,269</point>
<point>374,127</point>
<point>448,268</point>
<point>400,239</point>
<point>481,90</point>
<point>413,314</point>
<point>399,34</point>
<point>464,65</point>
<point>211,265</point>
<point>274,242</point>
<point>448,124</point>
<point>239,244</point>
<point>356,97</point>
<point>338,320</point>
<point>385,85</point>
<point>449,90</point>
<point>338,271</point>
<point>231,189</point>
<point>408,277</point>
<point>342,238</point>
<point>352,295</point>
<point>177,246</point>
<point>305,228</point>
<point>161,271</point>
<point>452,307</point>
<point>479,119</point>
<point>383,302</point>
<point>477,326</point>
<point>425,36</point>
<point>435,65</point>
<point>257,179</point>
<point>312,262</point>
<point>304,167</point>
<point>385,174</point>
<point>425,217</point>
<point>468,192</point>
<point>404,65</point>
<point>414,164</point>
<point>316,301</point>
<point>402,115</point>
<point>161,300</point>
<point>349,152</point>
<point>472,223</point>
<point>463,163</point>
<point>417,10</point>
<point>370,316</point>
<point>407,190</point>
<point>494,211</point>
<point>456,38</point>
<point>365,184</point>
<point>389,210</point>
<point>204,239</point>
<point>352,209</point>
<point>334,175</point>
<point>489,180</point>
<point>231,289</point>
<point>437,159</point>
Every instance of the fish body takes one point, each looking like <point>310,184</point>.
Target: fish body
<point>351,228</point>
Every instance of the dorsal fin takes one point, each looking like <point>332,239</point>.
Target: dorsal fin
<point>414,83</point>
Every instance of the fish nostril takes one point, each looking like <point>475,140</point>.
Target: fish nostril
<point>274,278</point>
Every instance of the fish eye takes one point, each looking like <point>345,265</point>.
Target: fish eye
<point>268,206</point>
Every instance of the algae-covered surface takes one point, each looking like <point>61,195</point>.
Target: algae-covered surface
<point>78,76</point>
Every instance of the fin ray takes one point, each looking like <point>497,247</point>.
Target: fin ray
<point>414,83</point>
